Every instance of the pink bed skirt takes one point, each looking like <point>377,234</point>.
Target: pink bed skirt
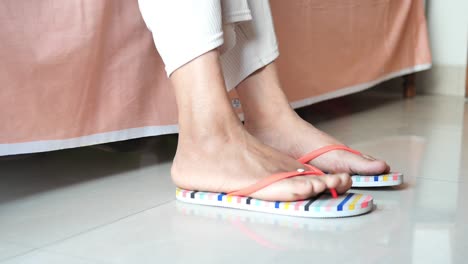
<point>83,72</point>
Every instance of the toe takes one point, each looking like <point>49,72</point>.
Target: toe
<point>331,180</point>
<point>292,189</point>
<point>341,182</point>
<point>319,186</point>
<point>346,183</point>
<point>303,188</point>
<point>365,166</point>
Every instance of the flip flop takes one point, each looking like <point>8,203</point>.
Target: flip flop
<point>284,221</point>
<point>382,180</point>
<point>322,206</point>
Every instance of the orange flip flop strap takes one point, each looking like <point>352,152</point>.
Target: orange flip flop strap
<point>314,154</point>
<point>277,177</point>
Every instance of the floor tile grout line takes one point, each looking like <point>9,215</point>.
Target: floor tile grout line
<point>83,232</point>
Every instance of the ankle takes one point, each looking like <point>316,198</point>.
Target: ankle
<point>272,120</point>
<point>216,132</point>
<point>197,146</point>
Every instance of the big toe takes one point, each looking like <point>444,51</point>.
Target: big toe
<point>366,165</point>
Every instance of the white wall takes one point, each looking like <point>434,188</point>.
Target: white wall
<point>448,35</point>
<point>448,31</point>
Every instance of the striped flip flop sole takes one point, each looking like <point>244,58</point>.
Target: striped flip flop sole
<point>391,179</point>
<point>322,206</point>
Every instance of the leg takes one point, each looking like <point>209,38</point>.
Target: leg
<point>269,118</point>
<point>215,153</point>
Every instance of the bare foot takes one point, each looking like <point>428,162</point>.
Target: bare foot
<point>225,162</point>
<point>216,154</point>
<point>293,136</point>
<point>269,118</point>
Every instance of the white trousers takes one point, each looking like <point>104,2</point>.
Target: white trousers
<point>185,29</point>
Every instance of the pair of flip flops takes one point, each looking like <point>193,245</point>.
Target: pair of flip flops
<point>324,205</point>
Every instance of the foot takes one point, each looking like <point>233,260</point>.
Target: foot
<point>228,161</point>
<point>216,154</point>
<point>306,138</point>
<point>270,119</point>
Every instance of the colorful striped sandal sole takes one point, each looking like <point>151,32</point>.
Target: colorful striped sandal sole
<point>322,206</point>
<point>384,180</point>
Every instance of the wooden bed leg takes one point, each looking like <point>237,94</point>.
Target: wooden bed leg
<point>409,85</point>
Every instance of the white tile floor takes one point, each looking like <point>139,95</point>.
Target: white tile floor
<point>88,206</point>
